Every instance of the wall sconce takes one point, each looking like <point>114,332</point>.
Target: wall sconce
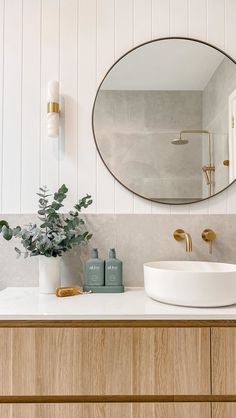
<point>53,109</point>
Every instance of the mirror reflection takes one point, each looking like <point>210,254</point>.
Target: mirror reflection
<point>163,120</point>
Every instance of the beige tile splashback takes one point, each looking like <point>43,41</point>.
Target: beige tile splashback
<point>137,238</point>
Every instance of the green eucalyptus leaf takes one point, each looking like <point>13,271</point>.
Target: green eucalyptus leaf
<point>57,233</point>
<point>43,202</point>
<point>41,212</point>
<point>56,205</point>
<point>7,233</point>
<point>63,189</point>
<point>59,197</point>
<point>3,223</point>
<point>44,225</point>
<point>16,230</point>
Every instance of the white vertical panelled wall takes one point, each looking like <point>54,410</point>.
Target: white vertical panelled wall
<point>75,42</point>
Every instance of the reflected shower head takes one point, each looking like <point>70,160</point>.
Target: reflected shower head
<point>179,141</point>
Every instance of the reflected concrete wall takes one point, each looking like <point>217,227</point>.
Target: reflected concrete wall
<point>215,118</point>
<point>134,130</point>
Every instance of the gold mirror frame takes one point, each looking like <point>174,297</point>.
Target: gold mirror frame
<point>207,170</point>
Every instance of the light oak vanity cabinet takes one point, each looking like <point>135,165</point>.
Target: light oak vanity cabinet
<point>111,369</point>
<point>107,410</point>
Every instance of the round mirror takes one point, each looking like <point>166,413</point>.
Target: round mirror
<point>163,120</point>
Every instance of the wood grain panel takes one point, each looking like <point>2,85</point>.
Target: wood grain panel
<point>5,411</point>
<point>172,410</point>
<point>27,411</point>
<point>71,361</point>
<point>171,361</point>
<point>58,361</point>
<point>106,410</point>
<point>224,410</point>
<point>106,361</point>
<point>23,362</point>
<point>69,411</point>
<point>118,323</point>
<point>223,361</point>
<point>5,361</point>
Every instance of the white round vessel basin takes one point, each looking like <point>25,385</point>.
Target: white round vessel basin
<point>191,283</point>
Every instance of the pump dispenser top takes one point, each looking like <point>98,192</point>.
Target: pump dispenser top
<point>112,253</point>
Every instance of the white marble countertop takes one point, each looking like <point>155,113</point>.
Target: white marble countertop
<point>25,303</point>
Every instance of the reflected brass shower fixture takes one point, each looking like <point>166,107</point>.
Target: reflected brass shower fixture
<point>208,169</point>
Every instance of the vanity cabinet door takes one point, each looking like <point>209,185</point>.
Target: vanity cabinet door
<point>172,361</point>
<point>171,410</point>
<point>72,361</point>
<point>5,411</point>
<point>107,361</point>
<point>223,361</point>
<point>89,410</point>
<point>224,410</point>
<point>109,410</point>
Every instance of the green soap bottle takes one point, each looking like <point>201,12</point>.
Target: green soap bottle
<point>94,270</point>
<point>113,270</point>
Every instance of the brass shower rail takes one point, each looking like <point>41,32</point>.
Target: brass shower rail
<point>209,169</point>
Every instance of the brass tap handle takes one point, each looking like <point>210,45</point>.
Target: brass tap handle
<point>209,236</point>
<point>179,235</point>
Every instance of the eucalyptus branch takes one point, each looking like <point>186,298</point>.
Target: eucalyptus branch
<point>57,233</point>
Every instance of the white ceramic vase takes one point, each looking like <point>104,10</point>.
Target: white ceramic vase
<point>49,274</point>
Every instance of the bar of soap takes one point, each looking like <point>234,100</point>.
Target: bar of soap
<point>62,292</point>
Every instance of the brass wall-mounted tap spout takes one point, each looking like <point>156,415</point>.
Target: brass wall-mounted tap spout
<point>181,235</point>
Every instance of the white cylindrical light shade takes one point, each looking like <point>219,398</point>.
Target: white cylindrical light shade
<point>53,117</point>
<point>53,91</point>
<point>53,125</point>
